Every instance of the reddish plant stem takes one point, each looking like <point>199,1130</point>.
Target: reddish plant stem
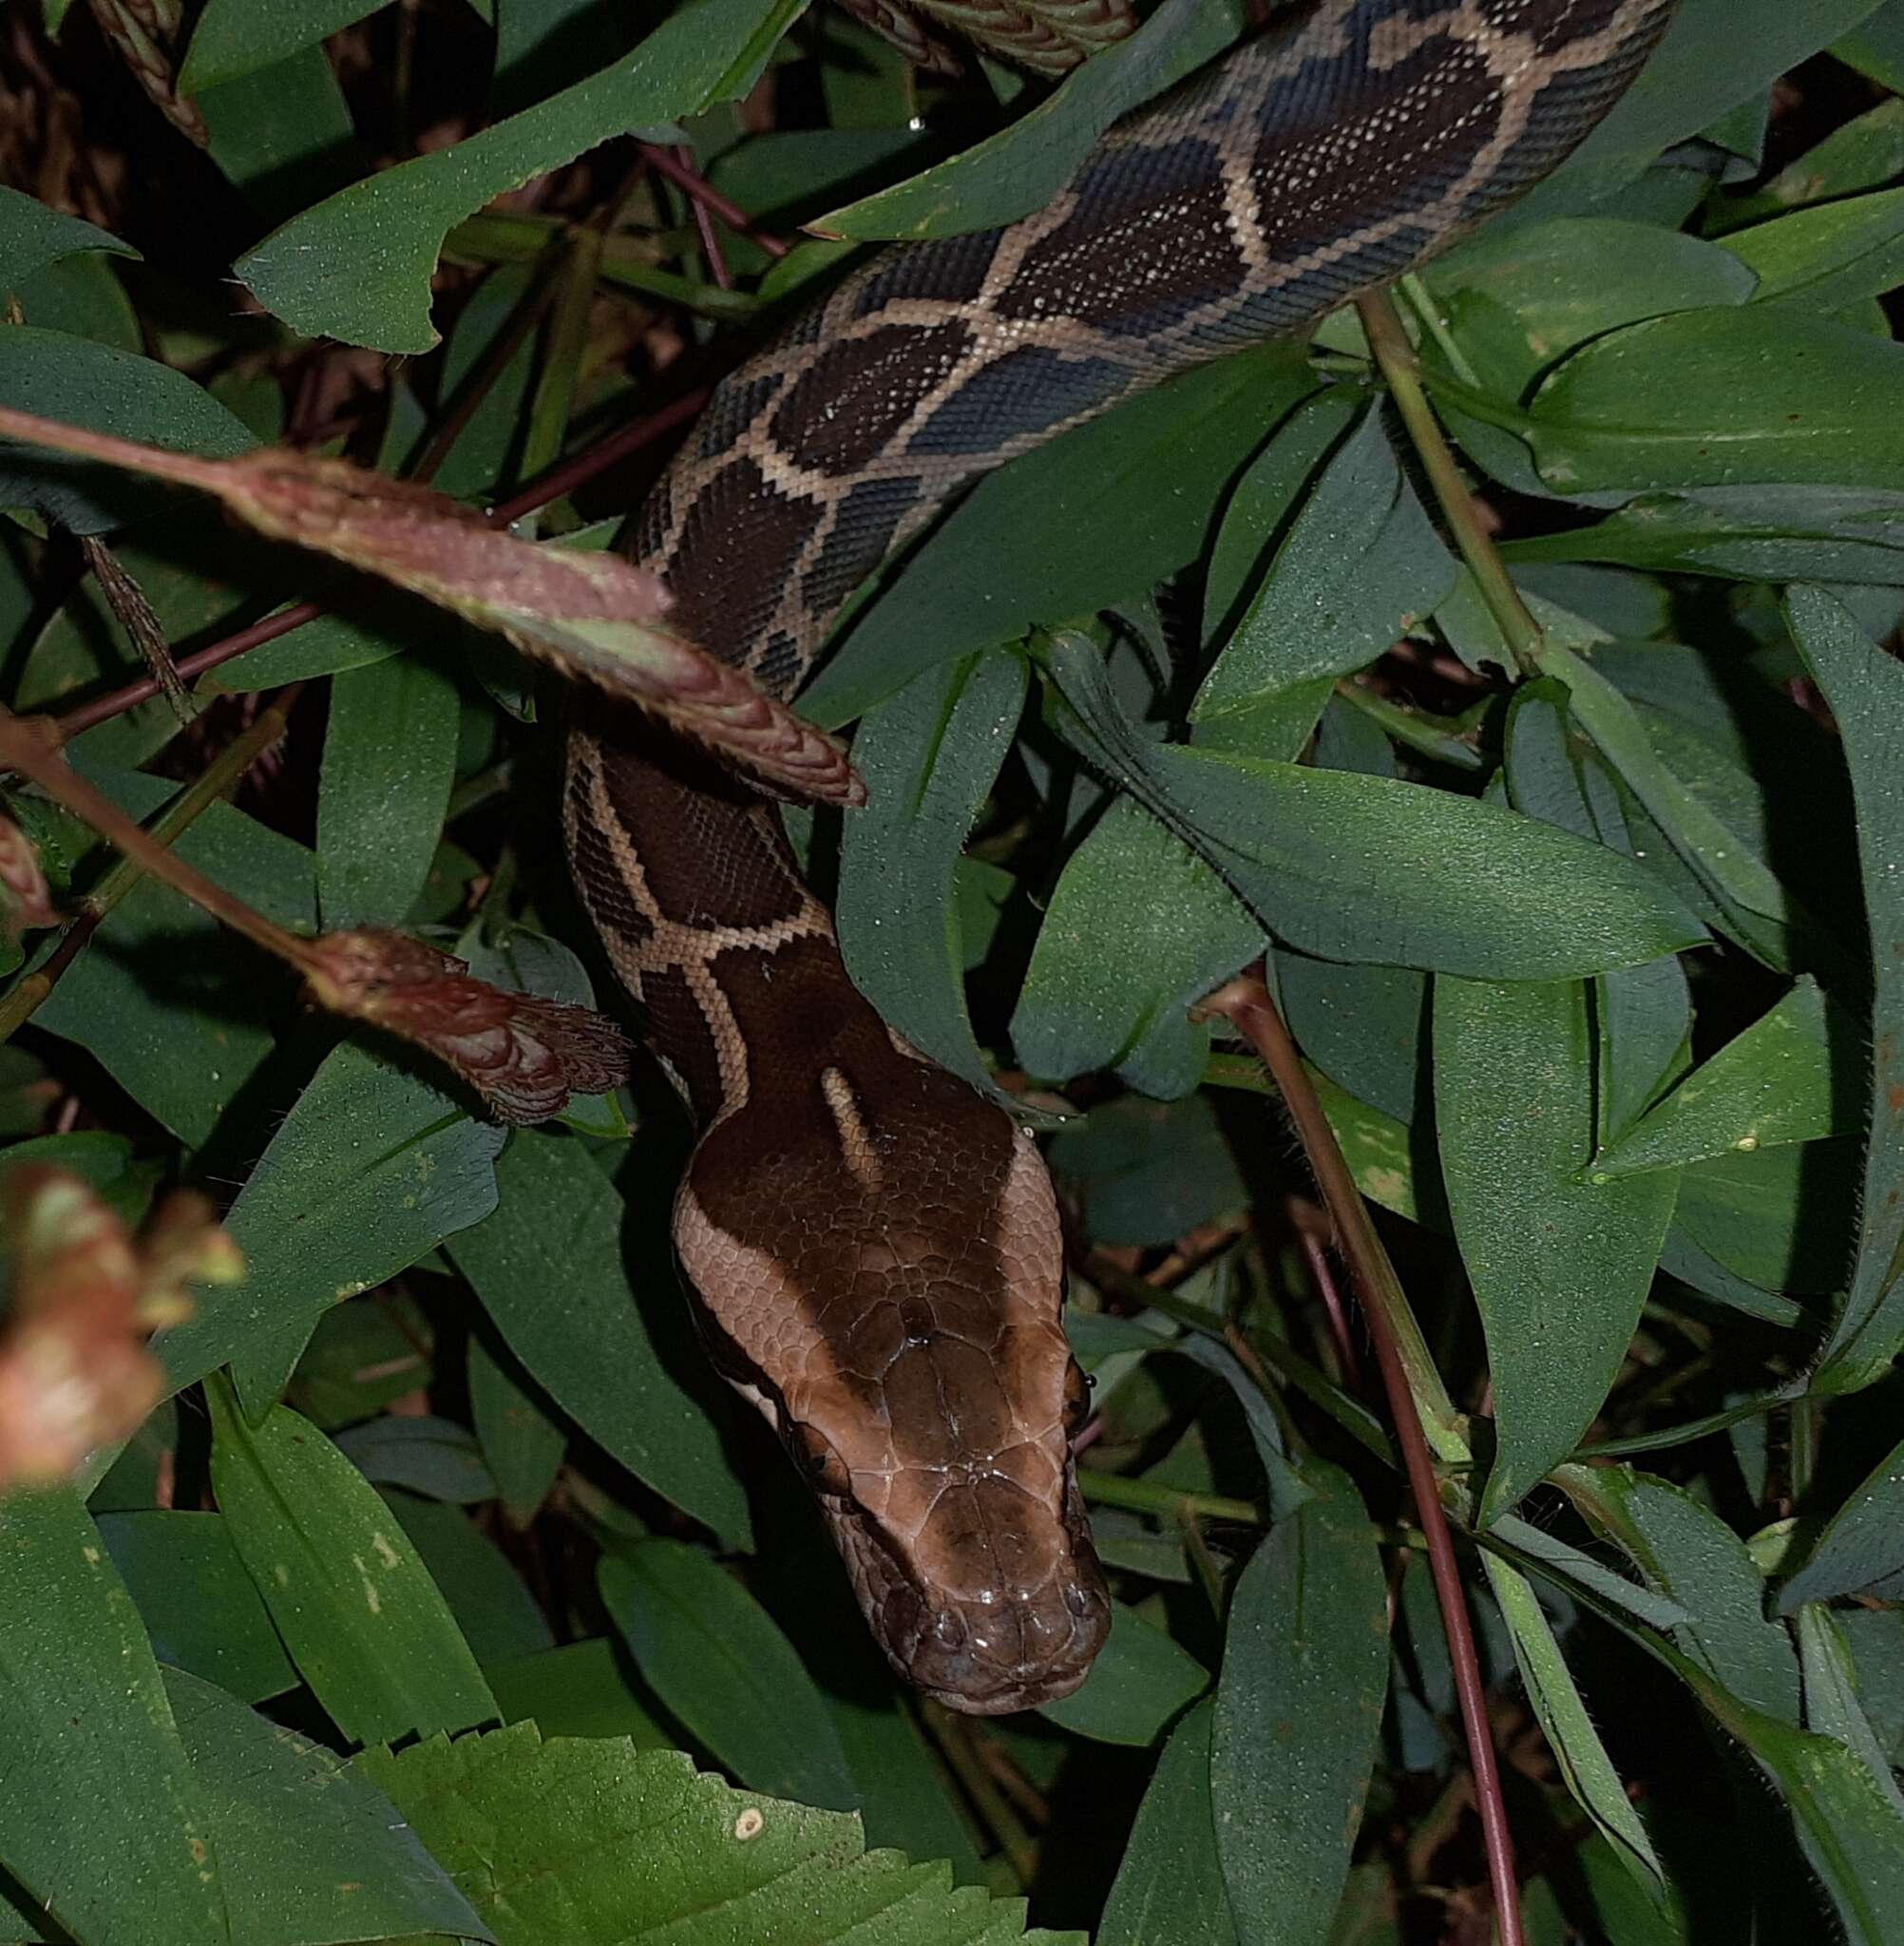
<point>1246,1004</point>
<point>704,221</point>
<point>707,197</point>
<point>1332,1302</point>
<point>552,486</point>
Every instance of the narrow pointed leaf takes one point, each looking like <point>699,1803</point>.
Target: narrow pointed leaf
<point>101,1820</point>
<point>362,1619</point>
<point>1865,690</point>
<point>1305,1668</point>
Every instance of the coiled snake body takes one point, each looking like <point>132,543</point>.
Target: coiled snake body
<point>873,1249</point>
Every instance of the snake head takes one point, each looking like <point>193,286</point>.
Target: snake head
<point>887,1293</point>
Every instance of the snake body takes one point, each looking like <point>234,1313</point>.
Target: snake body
<point>873,1249</point>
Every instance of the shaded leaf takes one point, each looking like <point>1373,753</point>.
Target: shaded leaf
<point>192,1593</point>
<point>1796,398</point>
<point>1865,690</point>
<point>723,1667</point>
<point>371,1169</point>
<point>357,266</point>
<point>1139,1683</point>
<point>312,1853</point>
<point>1298,1704</point>
<point>1533,903</point>
<point>1778,1081</point>
<point>1564,1720</point>
<point>1560,1267</point>
<point>1111,979</point>
<point>389,758</point>
<point>550,1270</point>
<point>928,755</point>
<point>1862,1544</point>
<point>1170,1889</point>
<point>101,1820</point>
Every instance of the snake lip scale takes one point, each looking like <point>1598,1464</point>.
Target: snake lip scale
<point>870,1246</point>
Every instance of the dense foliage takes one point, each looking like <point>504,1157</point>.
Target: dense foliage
<point>443,1593</point>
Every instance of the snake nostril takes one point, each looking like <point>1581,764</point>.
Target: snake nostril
<point>947,1630</point>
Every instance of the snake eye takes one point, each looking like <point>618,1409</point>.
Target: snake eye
<point>1076,1397</point>
<point>818,1458</point>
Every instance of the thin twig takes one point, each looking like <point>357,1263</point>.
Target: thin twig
<point>552,486</point>
<point>28,993</point>
<point>706,195</point>
<point>704,222</point>
<point>957,1744</point>
<point>1246,1004</point>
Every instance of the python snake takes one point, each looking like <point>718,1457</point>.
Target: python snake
<point>872,1248</point>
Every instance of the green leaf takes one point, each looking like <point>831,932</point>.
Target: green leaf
<point>1361,566</point>
<point>429,1455</point>
<point>550,1270</point>
<point>1560,1267</point>
<point>1353,867</point>
<point>580,1689</point>
<point>497,1613</point>
<point>1520,296</point>
<point>1826,258</point>
<point>1139,1683</point>
<point>1564,1720</point>
<point>372,1167</point>
<point>1170,1889</point>
<point>1721,398</point>
<point>1716,54</point>
<point>236,37</point>
<point>389,758</point>
<point>1686,1552</point>
<point>1298,1704</point>
<point>362,1619</point>
<point>101,1820</point>
<point>1832,1706</point>
<point>1865,690</point>
<point>928,755</point>
<point>1759,911</point>
<point>522,1440</point>
<point>574,1840</point>
<point>1863,1542</point>
<point>1851,1832</point>
<point>1781,1080</point>
<point>310,1850</point>
<point>723,1667</point>
<point>203,1613</point>
<point>1023,166</point>
<point>1096,517</point>
<point>93,385</point>
<point>357,266</point>
<point>32,236</point>
<point>1111,979</point>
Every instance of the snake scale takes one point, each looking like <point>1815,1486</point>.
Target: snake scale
<point>873,1249</point>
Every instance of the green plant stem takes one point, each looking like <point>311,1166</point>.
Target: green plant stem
<point>1440,737</point>
<point>954,1736</point>
<point>1402,370</point>
<point>1416,1400</point>
<point>556,384</point>
<point>1679,1435</point>
<point>1165,1502</point>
